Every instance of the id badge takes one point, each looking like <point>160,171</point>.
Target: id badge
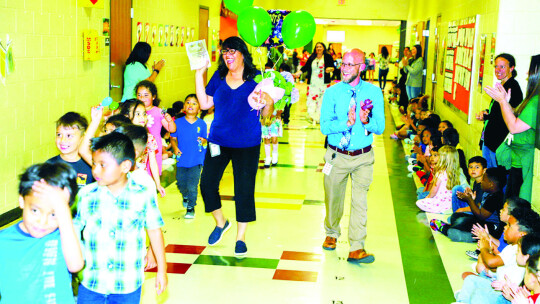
<point>214,150</point>
<point>327,168</point>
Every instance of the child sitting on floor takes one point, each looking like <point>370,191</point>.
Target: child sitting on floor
<point>486,213</point>
<point>477,288</point>
<point>446,177</point>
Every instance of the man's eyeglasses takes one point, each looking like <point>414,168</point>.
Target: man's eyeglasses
<point>230,51</point>
<point>349,65</point>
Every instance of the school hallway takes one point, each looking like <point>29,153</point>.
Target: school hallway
<point>285,261</point>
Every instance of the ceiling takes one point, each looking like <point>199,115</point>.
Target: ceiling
<point>356,22</point>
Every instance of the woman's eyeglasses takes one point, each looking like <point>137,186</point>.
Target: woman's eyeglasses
<point>230,51</point>
<point>349,65</point>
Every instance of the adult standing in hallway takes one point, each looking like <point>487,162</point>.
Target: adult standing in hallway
<point>383,60</point>
<point>235,135</point>
<point>495,129</point>
<point>522,124</point>
<point>136,70</point>
<point>414,72</point>
<point>402,78</point>
<point>318,67</point>
<point>349,126</point>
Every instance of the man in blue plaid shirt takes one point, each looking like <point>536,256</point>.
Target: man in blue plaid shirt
<point>113,214</point>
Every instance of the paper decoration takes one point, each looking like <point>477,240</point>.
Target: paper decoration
<point>192,34</point>
<point>166,36</point>
<point>177,36</point>
<point>147,33</point>
<point>275,38</point>
<point>90,3</point>
<point>214,47</point>
<point>91,49</point>
<point>182,36</point>
<point>154,33</point>
<point>197,54</point>
<point>106,27</point>
<point>139,31</point>
<point>160,35</point>
<point>171,35</point>
<point>188,35</point>
<point>482,59</point>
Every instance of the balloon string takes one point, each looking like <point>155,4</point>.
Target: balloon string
<point>280,56</point>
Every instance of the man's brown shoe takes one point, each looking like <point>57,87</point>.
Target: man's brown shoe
<point>360,256</point>
<point>329,243</point>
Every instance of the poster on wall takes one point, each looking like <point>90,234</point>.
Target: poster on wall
<point>443,56</point>
<point>147,32</point>
<point>460,54</point>
<point>481,65</point>
<point>139,31</point>
<point>106,27</point>
<point>91,50</point>
<point>214,45</point>
<point>492,48</point>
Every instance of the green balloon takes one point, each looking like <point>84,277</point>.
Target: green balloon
<point>237,6</point>
<point>254,25</point>
<point>298,29</point>
<point>113,106</point>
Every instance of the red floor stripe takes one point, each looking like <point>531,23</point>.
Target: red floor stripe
<point>295,275</point>
<point>300,256</point>
<point>177,268</point>
<point>185,249</point>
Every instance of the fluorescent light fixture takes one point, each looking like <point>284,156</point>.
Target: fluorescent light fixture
<point>364,22</point>
<point>335,36</point>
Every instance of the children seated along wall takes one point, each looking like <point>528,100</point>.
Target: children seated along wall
<point>38,253</point>
<point>485,213</point>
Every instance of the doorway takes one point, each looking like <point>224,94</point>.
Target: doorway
<point>120,47</point>
<point>425,43</point>
<point>204,14</point>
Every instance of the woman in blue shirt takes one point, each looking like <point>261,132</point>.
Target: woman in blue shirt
<point>235,135</point>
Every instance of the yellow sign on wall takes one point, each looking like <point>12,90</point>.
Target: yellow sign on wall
<point>91,50</point>
<point>90,3</point>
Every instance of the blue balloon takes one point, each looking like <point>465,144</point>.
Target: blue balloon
<point>106,101</point>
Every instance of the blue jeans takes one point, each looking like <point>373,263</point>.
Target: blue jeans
<point>187,181</point>
<point>420,194</point>
<point>382,74</point>
<point>413,92</point>
<point>87,296</point>
<point>456,202</point>
<point>489,156</point>
<point>477,289</point>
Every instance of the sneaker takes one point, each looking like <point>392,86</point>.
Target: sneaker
<point>408,141</point>
<point>473,254</point>
<point>394,136</point>
<point>437,225</point>
<point>267,162</point>
<point>218,233</point>
<point>185,202</point>
<point>190,213</point>
<point>412,161</point>
<point>240,249</point>
<point>274,158</point>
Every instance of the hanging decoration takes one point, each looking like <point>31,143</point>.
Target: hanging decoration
<point>276,38</point>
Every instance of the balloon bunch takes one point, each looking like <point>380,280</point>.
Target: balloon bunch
<point>108,102</point>
<point>255,24</point>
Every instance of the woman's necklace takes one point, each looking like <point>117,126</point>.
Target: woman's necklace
<point>321,67</point>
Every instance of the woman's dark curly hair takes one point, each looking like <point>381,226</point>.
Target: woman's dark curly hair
<point>239,45</point>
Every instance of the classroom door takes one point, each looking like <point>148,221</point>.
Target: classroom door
<point>120,47</point>
<point>204,14</point>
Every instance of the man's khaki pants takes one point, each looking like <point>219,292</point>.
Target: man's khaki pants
<point>360,169</point>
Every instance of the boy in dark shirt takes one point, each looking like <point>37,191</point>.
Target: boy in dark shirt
<point>477,169</point>
<point>70,129</point>
<point>484,214</point>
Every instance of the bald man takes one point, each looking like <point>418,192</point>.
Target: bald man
<point>350,135</point>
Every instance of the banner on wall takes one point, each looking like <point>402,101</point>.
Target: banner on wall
<point>482,61</point>
<point>460,54</point>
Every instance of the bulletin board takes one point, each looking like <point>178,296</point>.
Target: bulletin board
<point>459,63</point>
